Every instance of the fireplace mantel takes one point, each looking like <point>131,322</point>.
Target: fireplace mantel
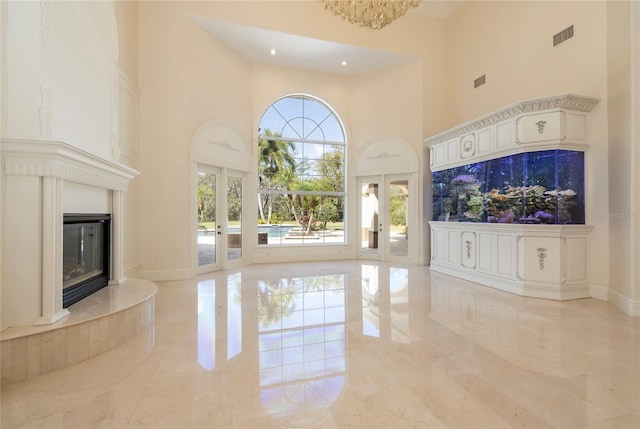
<point>51,158</point>
<point>34,173</point>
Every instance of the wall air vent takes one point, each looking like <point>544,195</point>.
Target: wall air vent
<point>565,34</point>
<point>480,81</point>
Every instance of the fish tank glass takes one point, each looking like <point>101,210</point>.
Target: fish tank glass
<point>544,187</point>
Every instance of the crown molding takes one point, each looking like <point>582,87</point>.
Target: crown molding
<point>565,101</point>
<point>52,158</point>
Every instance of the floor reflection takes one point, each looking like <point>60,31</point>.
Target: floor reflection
<point>348,344</point>
<point>301,345</point>
<point>300,330</point>
<point>385,302</point>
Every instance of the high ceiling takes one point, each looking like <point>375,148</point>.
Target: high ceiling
<point>313,54</point>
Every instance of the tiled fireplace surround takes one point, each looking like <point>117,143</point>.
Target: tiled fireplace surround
<point>39,335</point>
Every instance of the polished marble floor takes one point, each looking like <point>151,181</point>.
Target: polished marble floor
<point>349,344</point>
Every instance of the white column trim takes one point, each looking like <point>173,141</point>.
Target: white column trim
<point>51,310</point>
<point>117,238</point>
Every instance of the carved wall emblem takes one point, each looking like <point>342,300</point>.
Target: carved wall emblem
<point>541,125</point>
<point>468,243</point>
<point>224,144</point>
<point>542,253</point>
<point>383,155</point>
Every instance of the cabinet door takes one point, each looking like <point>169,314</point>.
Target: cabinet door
<point>439,238</point>
<point>540,259</point>
<point>468,249</point>
<point>575,260</point>
<point>505,138</point>
<point>453,251</point>
<point>506,256</point>
<point>453,150</point>
<point>467,146</point>
<point>445,246</point>
<point>487,256</point>
<point>439,154</point>
<point>484,141</point>
<point>540,127</point>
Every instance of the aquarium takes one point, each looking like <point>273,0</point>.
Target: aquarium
<point>545,187</point>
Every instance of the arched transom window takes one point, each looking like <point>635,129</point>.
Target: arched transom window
<point>301,168</point>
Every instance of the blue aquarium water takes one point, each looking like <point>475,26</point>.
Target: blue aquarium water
<point>545,187</point>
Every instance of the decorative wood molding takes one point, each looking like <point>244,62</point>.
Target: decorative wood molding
<point>46,158</point>
<point>383,155</point>
<point>224,144</point>
<point>565,101</point>
<point>542,253</point>
<point>44,22</point>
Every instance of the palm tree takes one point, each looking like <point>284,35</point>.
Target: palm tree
<point>276,167</point>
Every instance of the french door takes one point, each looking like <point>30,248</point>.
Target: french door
<point>219,218</point>
<point>385,216</point>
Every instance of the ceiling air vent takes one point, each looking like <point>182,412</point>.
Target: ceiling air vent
<point>565,34</point>
<point>480,81</point>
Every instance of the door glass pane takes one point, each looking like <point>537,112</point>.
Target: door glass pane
<point>369,217</point>
<point>398,211</point>
<point>206,200</point>
<point>234,218</point>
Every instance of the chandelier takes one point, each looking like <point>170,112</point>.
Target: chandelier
<point>375,14</point>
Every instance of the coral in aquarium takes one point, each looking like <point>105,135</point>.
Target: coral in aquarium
<point>499,207</point>
<point>544,187</point>
<point>469,198</point>
<point>565,203</point>
<point>475,208</point>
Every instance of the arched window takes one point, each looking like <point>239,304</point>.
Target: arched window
<point>301,168</point>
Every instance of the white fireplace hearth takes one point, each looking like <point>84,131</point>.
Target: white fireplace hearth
<point>36,174</point>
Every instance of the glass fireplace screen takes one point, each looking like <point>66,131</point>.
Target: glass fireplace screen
<point>85,255</point>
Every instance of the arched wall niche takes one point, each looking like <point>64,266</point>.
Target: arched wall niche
<point>218,145</point>
<point>386,156</point>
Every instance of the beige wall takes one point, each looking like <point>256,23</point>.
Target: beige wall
<point>186,78</point>
<point>623,111</point>
<point>511,42</point>
<point>127,27</point>
<point>619,92</point>
<point>126,13</point>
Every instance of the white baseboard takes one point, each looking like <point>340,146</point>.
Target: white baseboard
<point>628,306</point>
<point>166,275</point>
<point>132,272</point>
<point>599,292</point>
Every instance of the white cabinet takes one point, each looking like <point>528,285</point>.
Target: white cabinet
<point>468,247</point>
<point>549,123</point>
<point>540,127</point>
<point>505,132</point>
<point>468,146</point>
<point>543,261</point>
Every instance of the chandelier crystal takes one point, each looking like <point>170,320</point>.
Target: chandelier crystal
<point>375,14</point>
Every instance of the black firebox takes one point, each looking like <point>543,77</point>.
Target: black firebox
<point>86,251</point>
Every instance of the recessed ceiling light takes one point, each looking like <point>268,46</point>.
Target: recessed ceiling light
<point>344,63</point>
<point>272,52</point>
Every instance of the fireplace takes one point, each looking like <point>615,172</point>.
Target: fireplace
<point>86,250</point>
